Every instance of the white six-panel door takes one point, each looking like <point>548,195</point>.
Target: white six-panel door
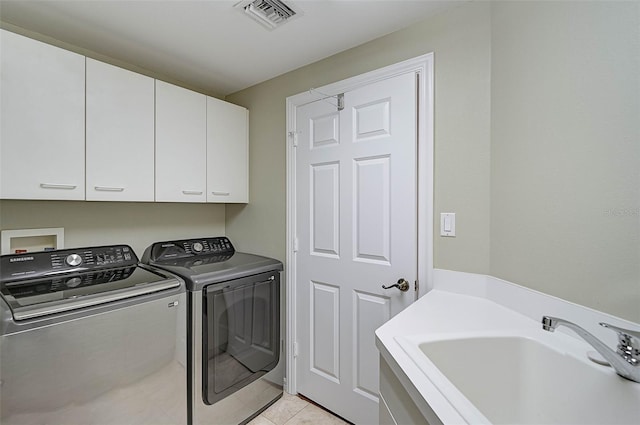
<point>356,226</point>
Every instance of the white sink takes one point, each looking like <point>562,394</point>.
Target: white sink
<point>513,379</point>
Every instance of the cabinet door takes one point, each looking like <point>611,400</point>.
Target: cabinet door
<point>120,134</point>
<point>227,152</point>
<point>42,120</point>
<point>181,151</point>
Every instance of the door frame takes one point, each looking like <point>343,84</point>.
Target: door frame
<point>422,66</point>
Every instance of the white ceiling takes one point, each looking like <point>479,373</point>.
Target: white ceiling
<point>210,44</point>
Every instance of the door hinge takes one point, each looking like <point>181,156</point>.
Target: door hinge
<point>295,244</point>
<point>295,349</point>
<point>416,285</point>
<point>294,138</point>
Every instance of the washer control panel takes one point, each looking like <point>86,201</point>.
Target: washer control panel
<point>170,250</point>
<point>38,264</point>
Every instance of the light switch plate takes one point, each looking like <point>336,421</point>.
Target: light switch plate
<point>448,224</point>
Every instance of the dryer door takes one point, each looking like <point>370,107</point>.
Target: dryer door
<point>241,333</point>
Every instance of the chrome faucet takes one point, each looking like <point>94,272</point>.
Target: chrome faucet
<point>625,361</point>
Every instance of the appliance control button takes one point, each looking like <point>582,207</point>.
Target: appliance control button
<point>73,282</point>
<point>197,247</point>
<point>73,260</point>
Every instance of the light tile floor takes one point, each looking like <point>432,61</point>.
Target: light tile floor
<point>293,410</point>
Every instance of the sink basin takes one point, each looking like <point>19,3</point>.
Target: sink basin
<point>522,380</point>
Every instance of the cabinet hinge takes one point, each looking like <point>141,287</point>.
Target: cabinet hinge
<point>295,244</point>
<point>416,285</point>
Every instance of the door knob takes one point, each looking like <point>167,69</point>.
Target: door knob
<point>402,285</point>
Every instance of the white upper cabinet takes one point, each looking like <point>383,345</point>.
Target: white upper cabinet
<point>120,134</point>
<point>146,140</point>
<point>181,151</point>
<point>227,152</point>
<point>42,91</point>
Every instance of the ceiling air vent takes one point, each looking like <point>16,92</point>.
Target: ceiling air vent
<point>270,13</point>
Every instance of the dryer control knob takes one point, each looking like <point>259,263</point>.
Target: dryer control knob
<point>73,260</point>
<point>197,247</point>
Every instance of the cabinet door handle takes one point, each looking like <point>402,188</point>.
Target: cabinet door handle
<point>58,186</point>
<point>192,192</point>
<point>109,189</point>
<point>221,193</point>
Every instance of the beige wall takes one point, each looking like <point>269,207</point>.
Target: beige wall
<point>536,144</point>
<point>105,223</point>
<point>460,39</point>
<point>537,149</point>
<point>565,151</point>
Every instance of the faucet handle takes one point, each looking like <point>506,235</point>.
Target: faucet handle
<point>628,343</point>
<point>634,334</point>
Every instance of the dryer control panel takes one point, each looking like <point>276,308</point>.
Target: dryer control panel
<point>170,250</point>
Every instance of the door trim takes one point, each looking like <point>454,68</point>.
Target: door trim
<point>422,66</point>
